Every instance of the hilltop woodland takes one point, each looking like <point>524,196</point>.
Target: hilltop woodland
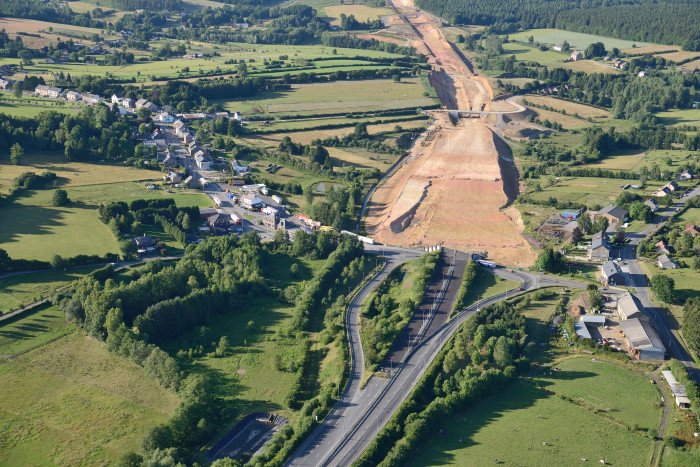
<point>667,22</point>
<point>149,307</point>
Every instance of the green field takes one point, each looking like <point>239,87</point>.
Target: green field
<point>577,40</point>
<point>361,12</point>
<point>588,190</point>
<point>338,97</point>
<point>66,400</point>
<point>635,159</point>
<point>676,117</point>
<point>487,285</point>
<point>23,289</point>
<point>30,111</point>
<point>527,53</point>
<point>512,426</point>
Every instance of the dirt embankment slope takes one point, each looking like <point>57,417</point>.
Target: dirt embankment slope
<point>455,190</point>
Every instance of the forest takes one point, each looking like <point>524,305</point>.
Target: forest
<point>667,22</point>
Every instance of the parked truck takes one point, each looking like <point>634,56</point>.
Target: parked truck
<point>217,200</point>
<point>236,220</point>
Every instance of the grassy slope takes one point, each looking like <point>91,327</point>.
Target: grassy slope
<point>572,432</point>
<point>577,40</point>
<point>68,401</point>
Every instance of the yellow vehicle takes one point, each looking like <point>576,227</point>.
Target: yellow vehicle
<point>326,228</point>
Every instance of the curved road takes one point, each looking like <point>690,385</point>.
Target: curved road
<point>361,413</point>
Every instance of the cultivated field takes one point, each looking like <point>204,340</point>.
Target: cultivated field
<point>590,66</point>
<point>680,56</point>
<point>69,401</point>
<point>634,159</point>
<point>651,49</point>
<point>577,40</point>
<point>571,108</point>
<point>60,31</point>
<point>16,109</point>
<point>529,414</point>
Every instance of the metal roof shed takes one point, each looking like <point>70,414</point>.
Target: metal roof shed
<point>642,339</point>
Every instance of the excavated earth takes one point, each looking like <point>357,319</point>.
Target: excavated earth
<point>456,187</point>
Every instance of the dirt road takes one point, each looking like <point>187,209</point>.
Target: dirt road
<point>456,186</point>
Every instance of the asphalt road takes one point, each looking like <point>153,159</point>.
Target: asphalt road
<point>360,414</point>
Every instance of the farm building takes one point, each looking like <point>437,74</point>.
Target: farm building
<point>628,308</point>
<point>614,214</point>
<point>612,274</point>
<point>677,389</point>
<point>557,48</point>
<point>593,320</point>
<point>582,330</point>
<point>642,339</point>
<point>600,248</point>
<point>653,204</point>
<point>665,262</point>
<point>576,56</point>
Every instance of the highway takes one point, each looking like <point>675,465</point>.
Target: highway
<point>361,413</point>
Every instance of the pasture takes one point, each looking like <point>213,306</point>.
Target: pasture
<point>677,117</point>
<point>337,97</point>
<point>361,12</point>
<point>591,66</point>
<point>635,159</point>
<point>529,414</point>
<point>571,108</point>
<point>69,401</point>
<point>587,190</point>
<point>680,56</point>
<point>57,32</point>
<point>528,53</point>
<point>18,109</point>
<point>577,40</point>
<point>23,289</point>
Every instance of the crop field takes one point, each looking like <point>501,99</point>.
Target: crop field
<point>69,401</point>
<point>571,108</point>
<point>361,12</point>
<point>651,49</point>
<point>577,40</point>
<point>680,56</point>
<point>60,31</point>
<point>675,117</point>
<point>694,65</point>
<point>586,190</point>
<point>23,289</point>
<point>590,66</point>
<point>538,427</point>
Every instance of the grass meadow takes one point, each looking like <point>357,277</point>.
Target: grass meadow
<point>66,400</point>
<point>635,159</point>
<point>23,289</point>
<point>361,12</point>
<point>512,426</point>
<point>586,190</point>
<point>577,40</point>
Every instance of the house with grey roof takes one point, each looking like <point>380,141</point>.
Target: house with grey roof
<point>600,248</point>
<point>665,262</point>
<point>612,274</point>
<point>653,204</point>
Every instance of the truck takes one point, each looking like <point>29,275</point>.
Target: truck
<point>276,199</point>
<point>263,189</point>
<point>367,240</point>
<point>217,200</point>
<point>486,264</point>
<point>236,220</point>
<point>269,210</point>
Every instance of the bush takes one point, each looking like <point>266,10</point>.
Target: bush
<point>60,198</point>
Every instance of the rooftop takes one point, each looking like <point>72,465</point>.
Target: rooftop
<point>615,211</point>
<point>641,335</point>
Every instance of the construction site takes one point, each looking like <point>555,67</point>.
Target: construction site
<point>458,183</point>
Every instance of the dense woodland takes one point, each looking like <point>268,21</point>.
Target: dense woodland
<point>668,22</point>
